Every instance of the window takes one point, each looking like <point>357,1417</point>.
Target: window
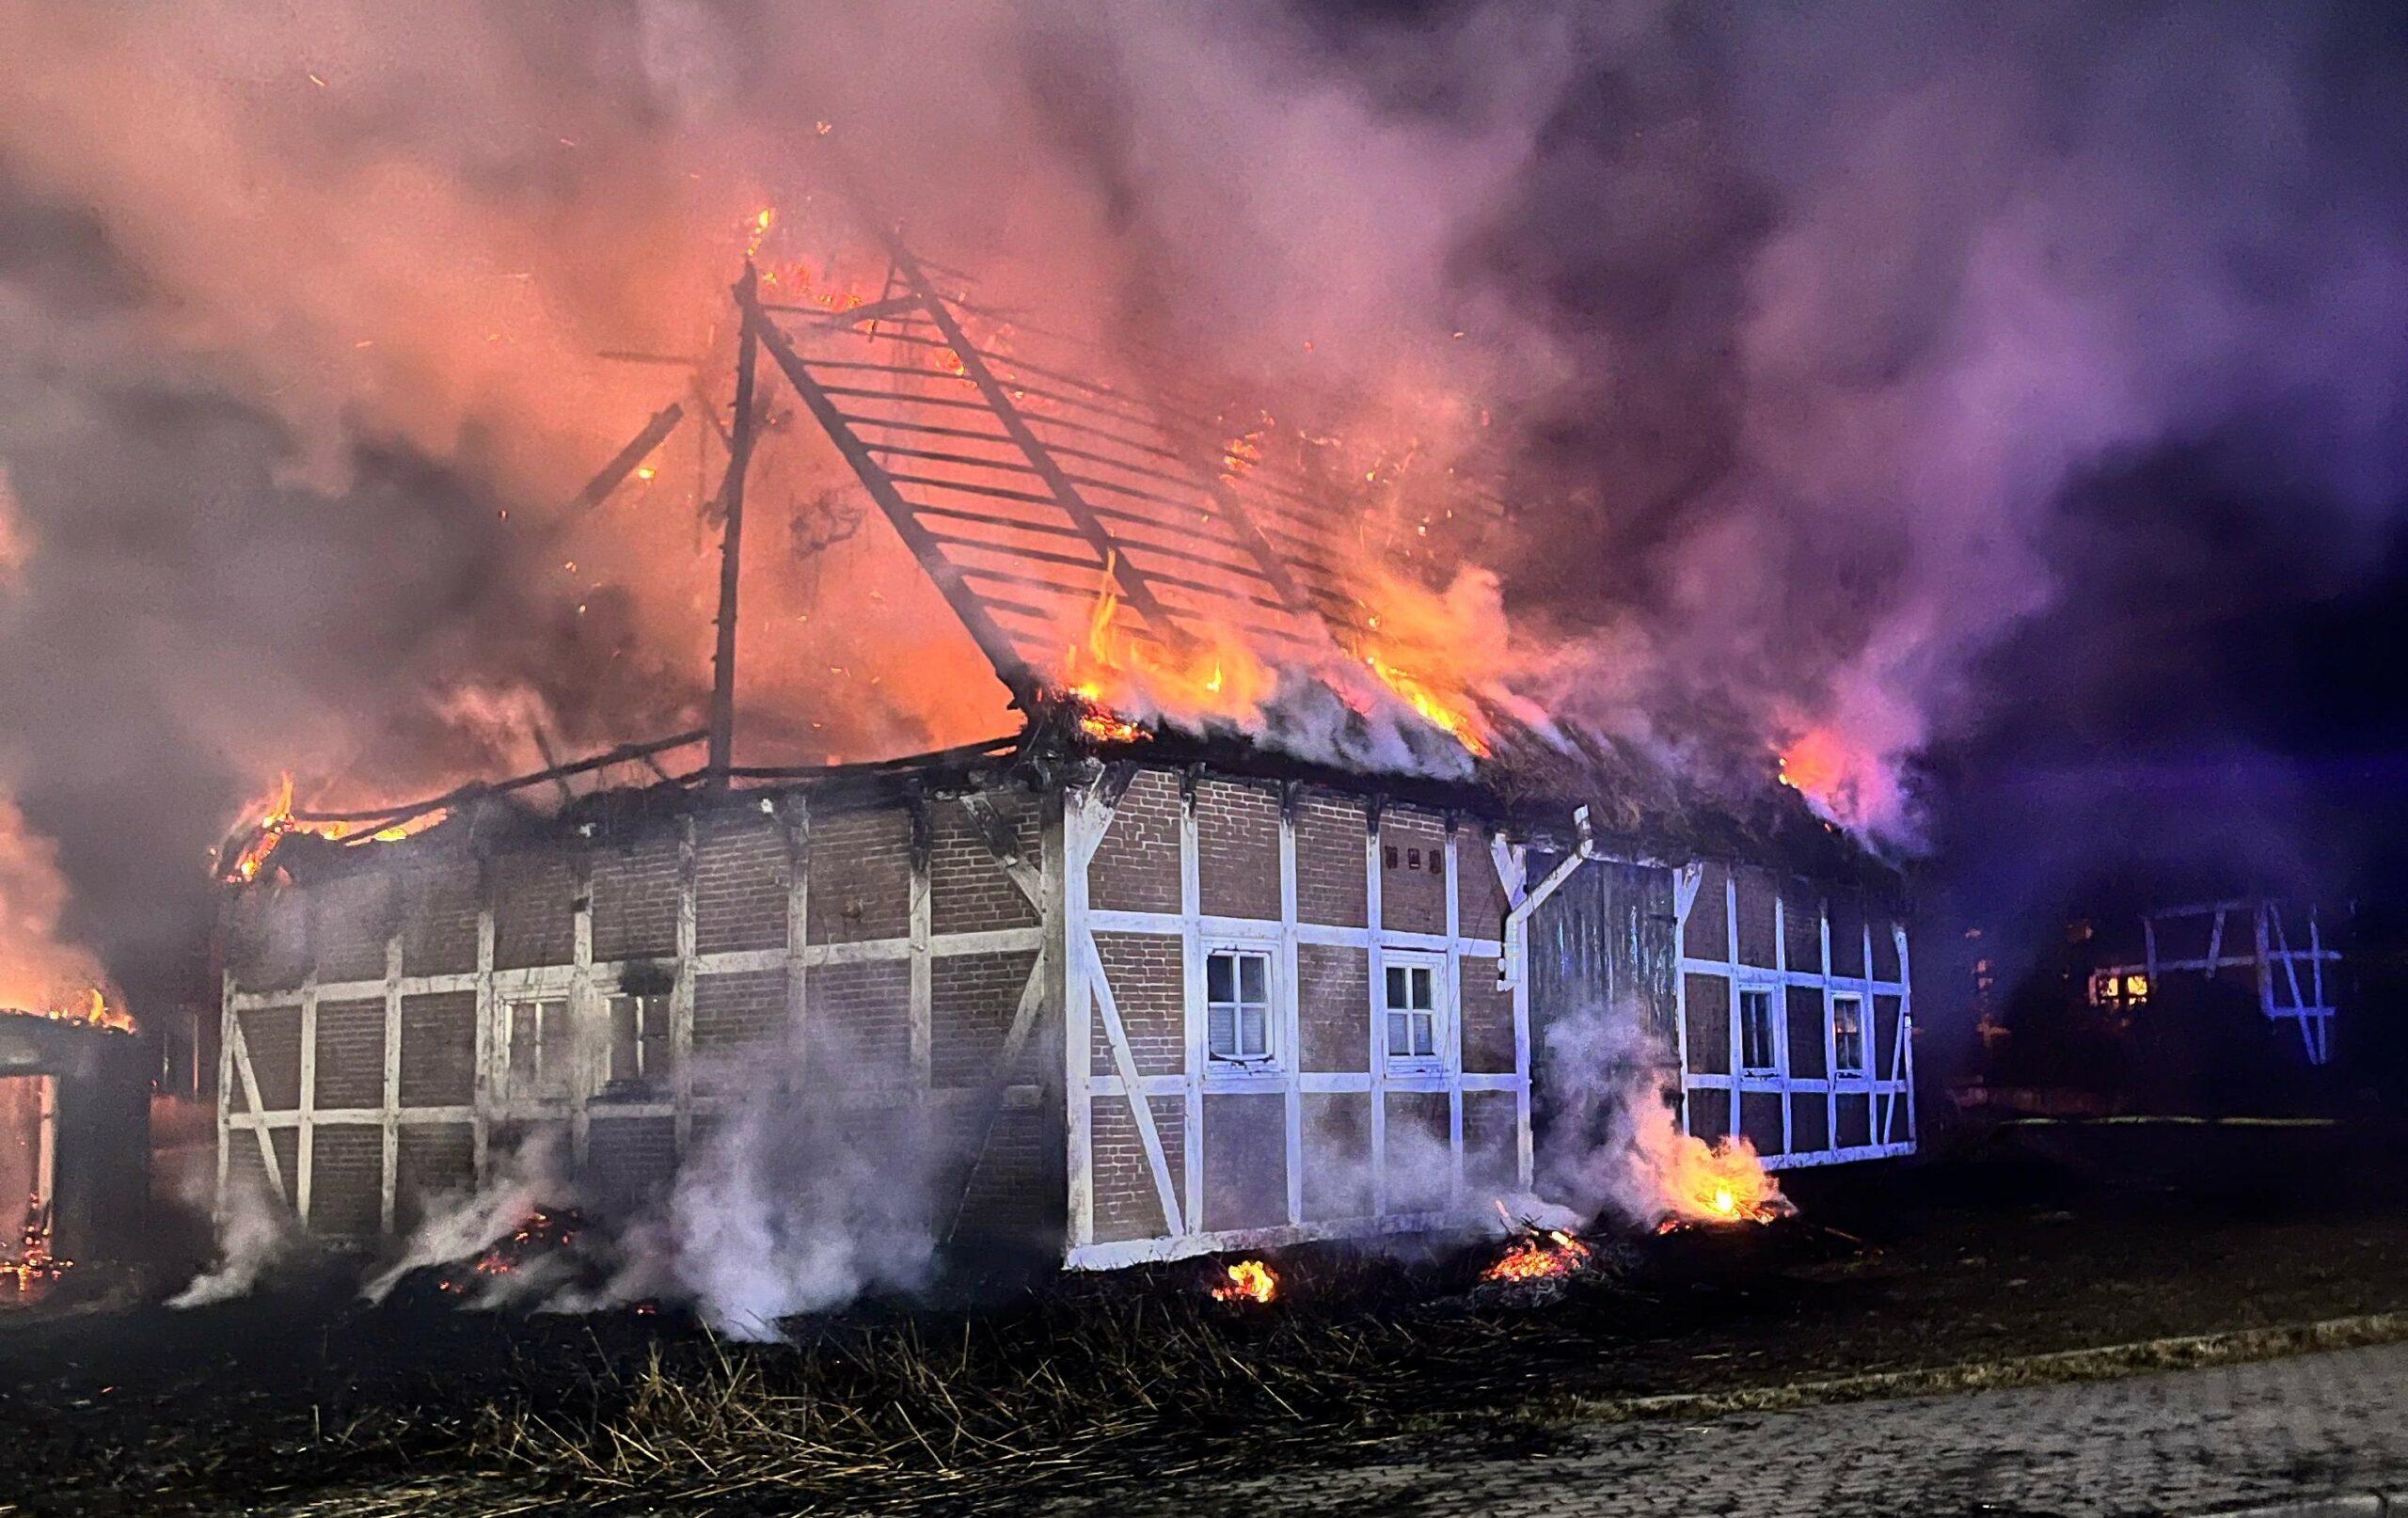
<point>2118,989</point>
<point>543,1051</point>
<point>1848,1034</point>
<point>1237,1000</point>
<point>638,1040</point>
<point>1757,1049</point>
<point>1413,1012</point>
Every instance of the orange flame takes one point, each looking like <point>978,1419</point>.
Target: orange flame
<point>90,1008</point>
<point>1724,1183</point>
<point>1249,1280</point>
<point>1538,1257</point>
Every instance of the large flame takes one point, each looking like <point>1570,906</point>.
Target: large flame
<point>1721,1183</point>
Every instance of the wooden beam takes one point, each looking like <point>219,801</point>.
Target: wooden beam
<point>730,542</point>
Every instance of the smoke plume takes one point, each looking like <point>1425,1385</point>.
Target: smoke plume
<point>1787,333</point>
<point>254,1235</point>
<point>1613,1150</point>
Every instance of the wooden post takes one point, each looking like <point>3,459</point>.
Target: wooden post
<point>730,542</point>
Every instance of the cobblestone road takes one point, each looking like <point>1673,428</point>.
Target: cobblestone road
<point>2189,1442</point>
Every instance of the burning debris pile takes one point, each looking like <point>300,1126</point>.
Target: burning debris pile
<point>1725,1183</point>
<point>1247,1281</point>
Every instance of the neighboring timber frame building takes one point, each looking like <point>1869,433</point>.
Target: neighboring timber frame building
<point>1164,993</point>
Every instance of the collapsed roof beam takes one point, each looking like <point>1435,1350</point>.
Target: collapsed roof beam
<point>947,577</point>
<point>1137,592</point>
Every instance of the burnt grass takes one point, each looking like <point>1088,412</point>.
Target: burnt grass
<point>2021,1241</point>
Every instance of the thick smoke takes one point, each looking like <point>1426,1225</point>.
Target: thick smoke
<point>1793,327</point>
<point>784,1205</point>
<point>1613,1149</point>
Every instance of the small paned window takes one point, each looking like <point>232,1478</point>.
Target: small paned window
<point>543,1050</point>
<point>1759,1052</point>
<point>1237,1000</point>
<point>1413,1012</point>
<point>638,1040</point>
<point>1848,1034</point>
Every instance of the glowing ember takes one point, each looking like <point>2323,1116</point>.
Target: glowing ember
<point>541,1231</point>
<point>1724,1184</point>
<point>1250,1280</point>
<point>34,1264</point>
<point>1539,1256</point>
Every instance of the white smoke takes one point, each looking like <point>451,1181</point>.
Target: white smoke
<point>1612,1147</point>
<point>256,1233</point>
<point>791,1207</point>
<point>464,1225</point>
<point>783,1205</point>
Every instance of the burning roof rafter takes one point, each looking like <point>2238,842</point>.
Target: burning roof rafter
<point>1030,494</point>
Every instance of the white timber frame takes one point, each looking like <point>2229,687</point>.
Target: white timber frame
<point>2286,993</point>
<point>588,983</point>
<point>1091,1006</point>
<point>1886,1076</point>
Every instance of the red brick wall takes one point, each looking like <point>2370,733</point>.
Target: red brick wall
<point>346,1181</point>
<point>438,1049</point>
<point>1756,938</point>
<point>635,896</point>
<point>969,892</point>
<point>1238,849</point>
<point>1338,1148</point>
<point>1492,1156</point>
<point>861,877</point>
<point>1329,862</point>
<point>357,913</point>
<point>742,869</point>
<point>1418,1168</point>
<point>1126,1203</point>
<point>269,947</point>
<point>1482,893</point>
<point>272,1037</point>
<point>534,908</point>
<point>1413,881</point>
<point>859,1021</point>
<point>1847,934</point>
<point>440,896</point>
<point>1136,869</point>
<point>1707,1001</point>
<point>1805,1033</point>
<point>735,1011</point>
<point>351,1054</point>
<point>1149,988</point>
<point>1246,1162</point>
<point>436,1160</point>
<point>1488,1019</point>
<point>1334,1008</point>
<point>973,998</point>
<point>1760,1119</point>
<point>1802,924</point>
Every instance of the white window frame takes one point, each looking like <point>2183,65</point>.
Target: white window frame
<point>1435,966</point>
<point>1840,1063</point>
<point>657,1004</point>
<point>1271,1003</point>
<point>1775,1016</point>
<point>522,1016</point>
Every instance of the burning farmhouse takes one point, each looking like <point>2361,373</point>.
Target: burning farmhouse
<point>1254,932</point>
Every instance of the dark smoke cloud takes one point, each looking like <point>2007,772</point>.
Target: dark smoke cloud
<point>1797,324</point>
